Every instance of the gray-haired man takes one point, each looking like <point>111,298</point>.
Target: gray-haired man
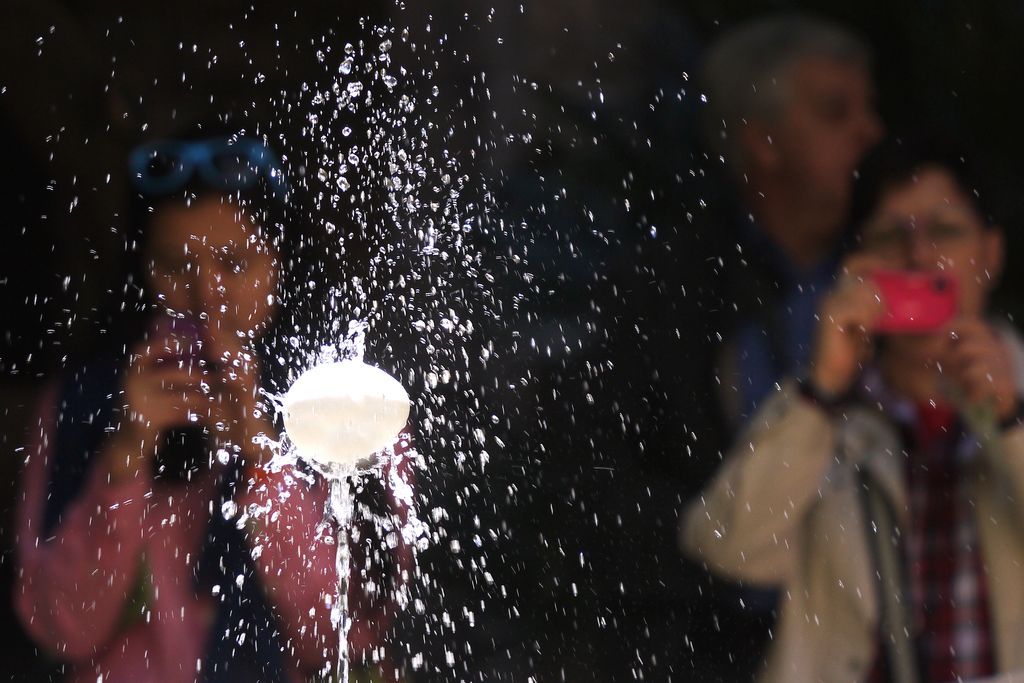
<point>790,114</point>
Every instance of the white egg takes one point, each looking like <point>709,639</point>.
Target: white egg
<point>344,412</point>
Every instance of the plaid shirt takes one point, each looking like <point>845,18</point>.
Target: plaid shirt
<point>945,573</point>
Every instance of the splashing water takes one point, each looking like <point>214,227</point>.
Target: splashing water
<point>340,422</point>
<point>407,216</point>
<point>338,415</point>
<point>341,508</point>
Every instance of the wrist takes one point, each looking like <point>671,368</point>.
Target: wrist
<point>126,452</point>
<point>826,381</point>
<point>1014,416</point>
<point>827,399</point>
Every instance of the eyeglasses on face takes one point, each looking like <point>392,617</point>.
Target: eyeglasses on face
<point>894,237</point>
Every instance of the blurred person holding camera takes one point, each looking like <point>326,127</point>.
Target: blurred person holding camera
<point>882,489</point>
<point>139,558</point>
<point>790,115</point>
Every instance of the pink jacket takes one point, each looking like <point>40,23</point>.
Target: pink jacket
<point>74,589</point>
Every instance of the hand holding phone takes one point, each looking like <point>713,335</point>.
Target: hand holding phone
<point>871,300</point>
<point>915,302</point>
<point>182,444</point>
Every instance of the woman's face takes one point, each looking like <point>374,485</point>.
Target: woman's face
<point>929,223</point>
<point>210,261</point>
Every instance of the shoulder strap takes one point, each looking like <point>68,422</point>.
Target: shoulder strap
<point>895,626</point>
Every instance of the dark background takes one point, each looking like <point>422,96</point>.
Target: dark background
<point>608,434</point>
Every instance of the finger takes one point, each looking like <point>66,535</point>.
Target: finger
<point>965,351</point>
<point>983,355</point>
<point>859,309</point>
<point>183,367</point>
<point>967,385</point>
<point>964,329</point>
<point>978,389</point>
<point>980,381</point>
<point>156,351</point>
<point>861,264</point>
<point>988,352</point>
<point>240,377</point>
<point>962,356</point>
<point>195,403</point>
<point>153,375</point>
<point>225,344</point>
<point>174,381</point>
<point>167,409</point>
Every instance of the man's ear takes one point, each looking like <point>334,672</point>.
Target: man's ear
<point>995,252</point>
<point>758,145</point>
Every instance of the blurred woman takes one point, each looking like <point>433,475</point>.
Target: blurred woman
<point>138,558</point>
<point>884,491</point>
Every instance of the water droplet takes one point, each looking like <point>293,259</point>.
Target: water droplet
<point>228,509</point>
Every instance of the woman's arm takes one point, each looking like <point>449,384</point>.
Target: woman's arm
<point>297,569</point>
<point>73,585</point>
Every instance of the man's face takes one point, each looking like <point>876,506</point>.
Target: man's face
<point>826,126</point>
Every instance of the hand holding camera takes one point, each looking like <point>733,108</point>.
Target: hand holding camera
<point>871,301</point>
<point>183,394</point>
<point>980,367</point>
<point>165,387</point>
<point>849,316</point>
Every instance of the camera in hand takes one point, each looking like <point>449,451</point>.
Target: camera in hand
<point>916,302</point>
<point>182,453</point>
<point>186,449</point>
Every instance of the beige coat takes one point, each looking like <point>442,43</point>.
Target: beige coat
<point>784,511</point>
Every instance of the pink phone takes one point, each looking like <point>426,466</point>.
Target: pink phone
<point>915,301</point>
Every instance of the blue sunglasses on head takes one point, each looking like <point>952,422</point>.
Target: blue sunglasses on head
<point>165,166</point>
